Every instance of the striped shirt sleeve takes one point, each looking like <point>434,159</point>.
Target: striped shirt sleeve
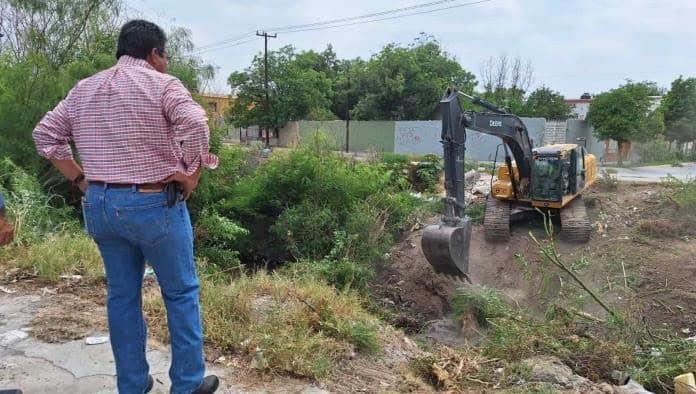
<point>190,127</point>
<point>53,133</point>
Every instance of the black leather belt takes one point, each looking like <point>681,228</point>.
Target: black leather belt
<point>151,187</point>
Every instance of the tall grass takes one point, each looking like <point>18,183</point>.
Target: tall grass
<point>34,214</point>
<point>294,324</point>
<point>56,255</point>
<point>48,239</point>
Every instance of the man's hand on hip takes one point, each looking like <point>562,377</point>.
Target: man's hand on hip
<point>188,183</point>
<point>6,230</point>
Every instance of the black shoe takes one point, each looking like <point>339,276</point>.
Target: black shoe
<point>209,386</point>
<point>150,383</point>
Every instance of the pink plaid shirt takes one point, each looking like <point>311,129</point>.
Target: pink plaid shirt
<point>130,124</point>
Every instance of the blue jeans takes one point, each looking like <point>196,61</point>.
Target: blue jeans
<point>132,227</point>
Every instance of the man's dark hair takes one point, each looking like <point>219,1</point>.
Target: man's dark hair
<point>138,37</point>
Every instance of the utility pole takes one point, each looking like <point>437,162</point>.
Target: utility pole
<point>348,114</point>
<point>266,36</point>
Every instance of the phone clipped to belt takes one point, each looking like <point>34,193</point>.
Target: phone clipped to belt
<point>172,190</point>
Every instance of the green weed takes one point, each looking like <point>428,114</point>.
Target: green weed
<point>683,193</point>
<point>608,181</point>
<point>56,255</point>
<point>481,302</point>
<point>285,323</point>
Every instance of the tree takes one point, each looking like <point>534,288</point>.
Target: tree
<point>297,84</point>
<point>406,83</point>
<point>679,108</point>
<point>546,103</point>
<point>48,46</point>
<point>506,80</point>
<point>191,70</point>
<point>624,115</point>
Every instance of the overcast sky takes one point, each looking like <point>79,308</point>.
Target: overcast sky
<point>575,46</point>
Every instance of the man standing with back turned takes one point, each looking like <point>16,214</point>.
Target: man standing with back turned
<point>140,137</point>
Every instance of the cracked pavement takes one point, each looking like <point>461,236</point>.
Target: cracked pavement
<point>75,367</point>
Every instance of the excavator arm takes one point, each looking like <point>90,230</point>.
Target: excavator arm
<point>446,244</point>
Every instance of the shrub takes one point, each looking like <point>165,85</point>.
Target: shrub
<point>656,151</point>
<point>35,215</point>
<point>218,185</point>
<point>303,196</point>
<point>683,193</point>
<point>476,211</point>
<point>428,173</point>
<point>217,238</point>
<point>608,181</point>
<point>307,230</point>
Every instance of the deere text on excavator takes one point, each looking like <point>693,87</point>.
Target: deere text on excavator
<point>550,178</point>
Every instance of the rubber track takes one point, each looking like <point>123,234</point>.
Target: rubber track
<point>575,223</point>
<point>496,223</point>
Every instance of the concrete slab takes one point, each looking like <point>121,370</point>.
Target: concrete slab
<point>655,174</point>
<point>74,367</point>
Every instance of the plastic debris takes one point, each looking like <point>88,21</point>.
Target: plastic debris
<point>71,277</point>
<point>14,336</point>
<point>46,290</point>
<point>96,340</point>
<point>149,272</point>
<point>684,384</point>
<point>6,290</point>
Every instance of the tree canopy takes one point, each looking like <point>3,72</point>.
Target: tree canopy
<point>624,113</point>
<point>399,82</point>
<point>546,103</point>
<point>48,46</point>
<point>298,84</point>
<point>406,83</point>
<point>679,108</point>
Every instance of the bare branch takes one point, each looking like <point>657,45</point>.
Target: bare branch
<point>502,72</point>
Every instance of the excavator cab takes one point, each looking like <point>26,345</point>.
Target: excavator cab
<point>558,171</point>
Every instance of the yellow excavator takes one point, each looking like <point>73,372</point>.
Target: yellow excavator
<point>549,178</point>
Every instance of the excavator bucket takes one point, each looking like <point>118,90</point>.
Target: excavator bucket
<point>446,247</point>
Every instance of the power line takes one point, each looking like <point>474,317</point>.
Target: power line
<point>386,18</point>
<point>199,52</point>
<point>355,20</point>
<point>365,16</point>
<point>227,40</point>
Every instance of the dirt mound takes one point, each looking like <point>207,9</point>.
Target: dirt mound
<point>388,371</point>
<point>410,283</point>
<point>638,272</point>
